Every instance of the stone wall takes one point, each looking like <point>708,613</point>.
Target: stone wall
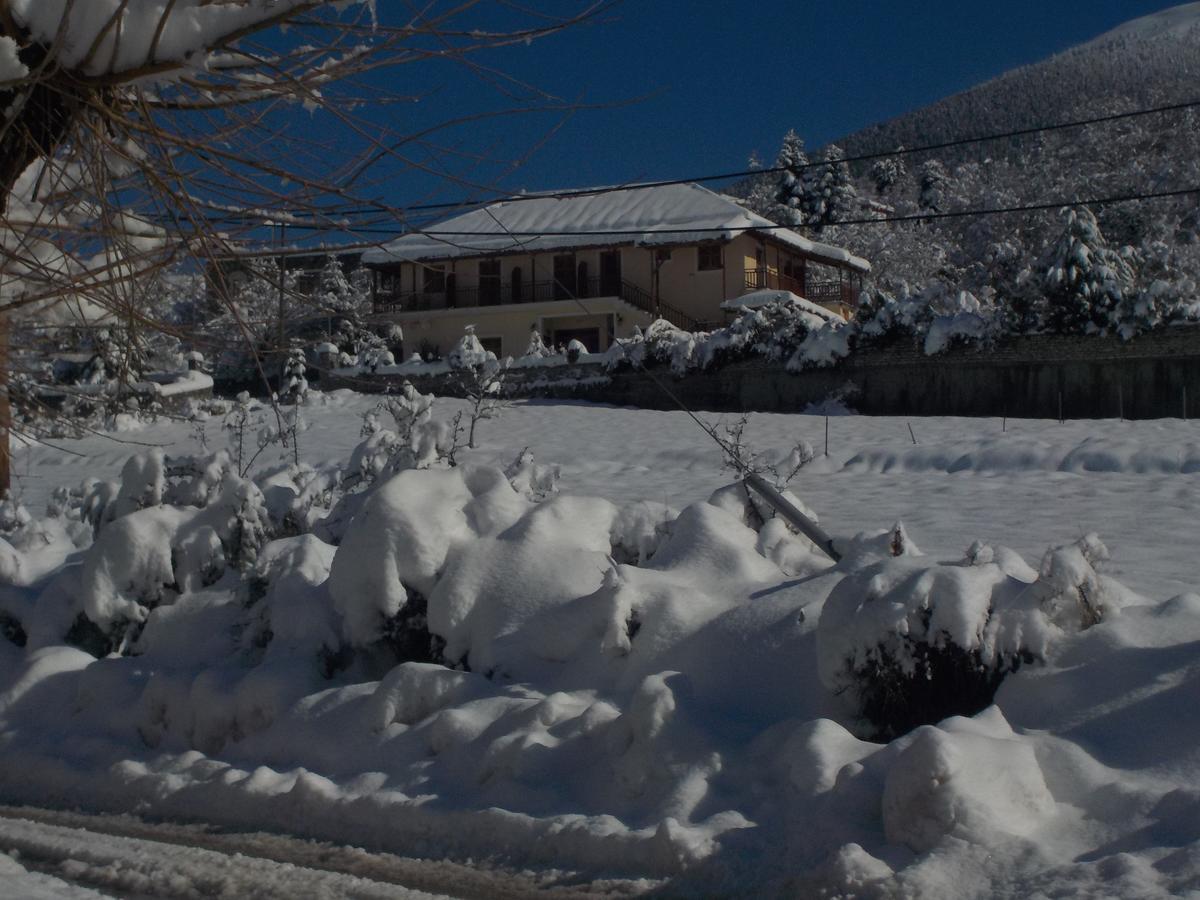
<point>1036,376</point>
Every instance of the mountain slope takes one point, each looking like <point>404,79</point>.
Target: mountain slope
<point>1148,62</point>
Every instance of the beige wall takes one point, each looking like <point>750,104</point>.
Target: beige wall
<point>512,324</point>
<point>681,284</point>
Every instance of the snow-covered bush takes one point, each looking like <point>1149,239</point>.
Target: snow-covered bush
<point>468,352</point>
<point>294,387</point>
<point>910,642</point>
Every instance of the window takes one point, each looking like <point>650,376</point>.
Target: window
<point>493,345</point>
<point>708,257</point>
<point>387,282</point>
<point>435,280</point>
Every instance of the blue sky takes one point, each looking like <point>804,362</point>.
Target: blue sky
<point>720,79</point>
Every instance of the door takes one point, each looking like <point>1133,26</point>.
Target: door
<point>610,273</point>
<point>489,282</point>
<point>564,276</point>
<point>517,278</point>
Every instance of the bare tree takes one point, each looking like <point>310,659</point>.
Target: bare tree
<point>140,132</point>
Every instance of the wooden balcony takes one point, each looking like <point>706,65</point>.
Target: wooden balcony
<point>831,294</point>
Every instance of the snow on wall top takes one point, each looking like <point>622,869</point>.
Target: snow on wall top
<point>192,27</point>
<point>1178,20</point>
<point>755,299</point>
<point>669,214</point>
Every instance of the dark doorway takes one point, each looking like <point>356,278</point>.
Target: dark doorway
<point>516,280</point>
<point>610,273</point>
<point>451,291</point>
<point>489,282</point>
<point>564,276</point>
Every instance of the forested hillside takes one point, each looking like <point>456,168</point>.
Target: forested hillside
<point>1009,260</point>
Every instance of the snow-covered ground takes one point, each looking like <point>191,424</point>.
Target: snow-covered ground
<point>1035,484</point>
<point>660,687</point>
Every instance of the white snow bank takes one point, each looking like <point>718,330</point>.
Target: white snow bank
<point>967,778</point>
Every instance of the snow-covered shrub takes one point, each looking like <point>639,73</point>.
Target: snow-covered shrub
<point>537,348</point>
<point>468,352</point>
<point>660,344</point>
<point>532,481</point>
<point>294,387</point>
<point>1069,590</point>
<point>909,642</point>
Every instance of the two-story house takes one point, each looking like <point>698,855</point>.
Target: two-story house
<point>589,266</point>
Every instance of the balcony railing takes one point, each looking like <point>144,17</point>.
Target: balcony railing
<point>827,293</point>
<point>499,294</point>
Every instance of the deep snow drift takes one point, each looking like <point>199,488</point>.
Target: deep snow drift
<point>679,690</point>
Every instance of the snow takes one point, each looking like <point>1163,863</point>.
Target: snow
<point>146,868</point>
<point>11,67</point>
<point>1175,21</point>
<point>87,40</point>
<point>650,216</point>
<point>755,299</point>
<point>639,679</point>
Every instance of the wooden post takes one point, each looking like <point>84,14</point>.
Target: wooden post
<point>1060,408</point>
<point>826,434</point>
<point>1121,401</point>
<point>1185,403</point>
<point>911,435</point>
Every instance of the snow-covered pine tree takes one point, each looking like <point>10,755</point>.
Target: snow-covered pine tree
<point>1084,280</point>
<point>933,182</point>
<point>792,189</point>
<point>295,384</point>
<point>340,293</point>
<point>888,172</point>
<point>831,195</point>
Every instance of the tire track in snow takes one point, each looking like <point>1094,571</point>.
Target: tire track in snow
<point>182,862</point>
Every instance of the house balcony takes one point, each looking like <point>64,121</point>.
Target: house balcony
<point>499,294</point>
<point>833,295</point>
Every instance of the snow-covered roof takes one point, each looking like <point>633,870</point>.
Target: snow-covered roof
<point>644,216</point>
<point>756,299</point>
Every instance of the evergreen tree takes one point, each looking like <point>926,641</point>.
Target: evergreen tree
<point>792,189</point>
<point>934,181</point>
<point>1084,280</point>
<point>340,293</point>
<point>888,172</point>
<point>831,196</point>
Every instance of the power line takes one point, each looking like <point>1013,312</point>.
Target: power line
<point>775,170</point>
<point>882,220</point>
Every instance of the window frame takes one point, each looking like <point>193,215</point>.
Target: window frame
<point>704,253</point>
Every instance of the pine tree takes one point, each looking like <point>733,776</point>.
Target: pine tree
<point>831,196</point>
<point>1085,281</point>
<point>340,293</point>
<point>934,181</point>
<point>792,190</point>
<point>888,172</point>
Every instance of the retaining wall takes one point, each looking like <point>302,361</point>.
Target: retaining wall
<point>1153,376</point>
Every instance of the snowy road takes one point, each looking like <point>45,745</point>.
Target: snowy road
<point>71,855</point>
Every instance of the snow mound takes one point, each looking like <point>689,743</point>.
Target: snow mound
<point>969,778</point>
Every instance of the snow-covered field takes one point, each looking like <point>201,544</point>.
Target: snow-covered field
<point>659,687</point>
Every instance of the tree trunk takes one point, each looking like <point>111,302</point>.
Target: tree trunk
<point>44,112</point>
